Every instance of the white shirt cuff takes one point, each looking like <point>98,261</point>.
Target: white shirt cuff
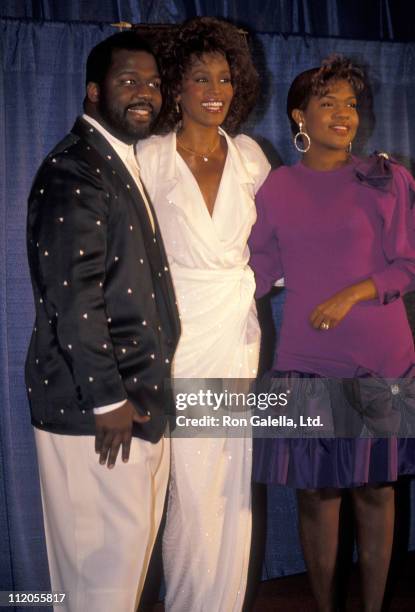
<point>109,407</point>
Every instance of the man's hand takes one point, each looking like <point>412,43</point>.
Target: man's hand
<point>114,429</point>
<point>330,313</point>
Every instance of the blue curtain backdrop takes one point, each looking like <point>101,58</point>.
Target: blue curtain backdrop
<point>41,90</point>
<point>367,19</point>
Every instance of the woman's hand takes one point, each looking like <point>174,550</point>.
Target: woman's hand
<point>330,313</point>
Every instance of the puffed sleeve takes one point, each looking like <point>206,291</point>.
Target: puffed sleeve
<point>263,243</point>
<point>255,161</point>
<point>398,238</point>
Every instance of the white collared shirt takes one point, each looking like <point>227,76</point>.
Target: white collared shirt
<point>127,154</point>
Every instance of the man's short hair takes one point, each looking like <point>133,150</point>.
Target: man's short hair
<point>100,58</point>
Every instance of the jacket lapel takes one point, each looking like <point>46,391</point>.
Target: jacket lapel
<point>102,147</point>
<point>152,240</point>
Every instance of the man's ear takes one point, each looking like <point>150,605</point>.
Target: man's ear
<point>92,92</point>
<point>298,116</point>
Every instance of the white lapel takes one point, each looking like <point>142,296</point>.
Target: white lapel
<point>234,211</point>
<point>168,187</point>
<point>243,169</point>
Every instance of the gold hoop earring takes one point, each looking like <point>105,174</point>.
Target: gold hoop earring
<point>305,137</point>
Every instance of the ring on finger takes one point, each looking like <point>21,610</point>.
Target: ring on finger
<point>324,325</point>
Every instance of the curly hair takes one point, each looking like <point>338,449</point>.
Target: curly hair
<point>316,82</point>
<point>208,35</point>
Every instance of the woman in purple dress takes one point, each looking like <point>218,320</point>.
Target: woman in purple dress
<point>341,232</point>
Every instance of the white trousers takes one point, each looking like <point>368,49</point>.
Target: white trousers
<point>100,524</point>
<point>206,542</point>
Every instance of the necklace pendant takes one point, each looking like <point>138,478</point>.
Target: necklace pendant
<point>205,159</point>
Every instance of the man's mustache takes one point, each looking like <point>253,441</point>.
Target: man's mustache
<point>144,105</point>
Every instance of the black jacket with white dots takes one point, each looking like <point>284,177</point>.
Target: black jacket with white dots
<point>106,319</point>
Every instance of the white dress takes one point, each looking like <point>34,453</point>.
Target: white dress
<point>206,542</point>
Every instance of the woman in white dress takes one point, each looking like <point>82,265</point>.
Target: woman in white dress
<point>202,183</point>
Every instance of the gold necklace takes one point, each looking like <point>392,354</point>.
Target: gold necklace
<point>204,156</point>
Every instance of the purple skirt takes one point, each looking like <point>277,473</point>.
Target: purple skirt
<point>339,463</point>
<point>308,463</point>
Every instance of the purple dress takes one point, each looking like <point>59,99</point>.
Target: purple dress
<point>324,231</point>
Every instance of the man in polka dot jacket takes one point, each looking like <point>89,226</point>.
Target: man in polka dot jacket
<point>105,333</point>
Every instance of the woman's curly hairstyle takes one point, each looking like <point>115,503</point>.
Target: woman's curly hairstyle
<point>208,35</point>
<point>316,82</point>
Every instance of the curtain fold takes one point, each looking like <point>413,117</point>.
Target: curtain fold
<point>6,579</point>
<point>41,92</point>
<point>370,19</point>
